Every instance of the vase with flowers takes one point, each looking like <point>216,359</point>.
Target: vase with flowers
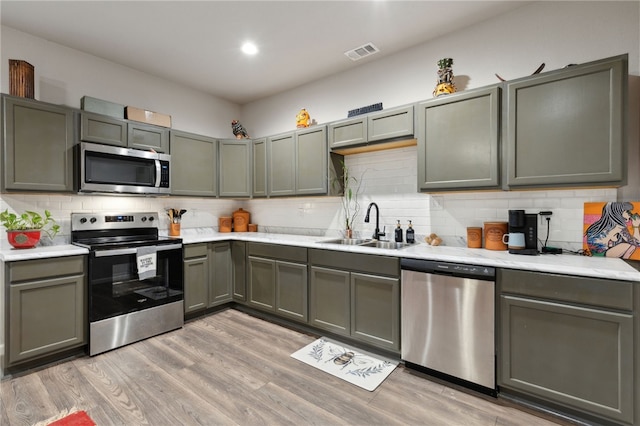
<point>351,187</point>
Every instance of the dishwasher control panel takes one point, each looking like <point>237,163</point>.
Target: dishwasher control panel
<point>448,268</point>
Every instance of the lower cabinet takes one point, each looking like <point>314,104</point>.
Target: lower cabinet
<point>46,307</point>
<point>356,295</point>
<point>208,273</point>
<point>569,341</point>
<point>277,280</point>
<point>239,260</point>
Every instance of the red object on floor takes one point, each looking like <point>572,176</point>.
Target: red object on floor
<point>79,418</point>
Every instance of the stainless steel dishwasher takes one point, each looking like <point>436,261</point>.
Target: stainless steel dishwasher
<point>448,321</point>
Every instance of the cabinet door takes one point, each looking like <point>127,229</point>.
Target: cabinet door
<point>103,129</point>
<point>459,140</point>
<point>348,132</point>
<point>260,167</point>
<point>576,356</point>
<point>375,310</point>
<point>291,290</point>
<point>38,146</point>
<point>196,284</point>
<point>45,317</point>
<point>567,127</point>
<point>144,136</point>
<point>311,161</point>
<point>194,160</point>
<point>282,166</point>
<point>239,259</point>
<point>235,167</point>
<point>329,304</point>
<point>262,283</point>
<point>389,124</point>
<point>220,273</point>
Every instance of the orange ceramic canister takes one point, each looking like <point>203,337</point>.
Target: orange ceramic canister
<point>241,219</point>
<point>493,232</point>
<point>224,224</point>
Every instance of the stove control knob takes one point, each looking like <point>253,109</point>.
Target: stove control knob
<point>144,219</point>
<point>93,220</point>
<point>150,218</point>
<point>83,220</point>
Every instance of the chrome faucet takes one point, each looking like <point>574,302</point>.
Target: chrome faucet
<point>376,233</point>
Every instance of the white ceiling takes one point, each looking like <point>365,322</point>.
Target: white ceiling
<point>197,43</point>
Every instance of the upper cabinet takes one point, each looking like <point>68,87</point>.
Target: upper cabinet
<point>260,167</point>
<point>459,140</point>
<point>567,127</point>
<point>371,128</point>
<point>298,163</point>
<point>194,160</point>
<point>116,131</point>
<point>37,145</point>
<point>235,167</point>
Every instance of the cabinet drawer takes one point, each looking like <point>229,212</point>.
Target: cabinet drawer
<point>368,263</point>
<point>581,290</point>
<point>195,250</point>
<point>38,269</point>
<point>275,251</point>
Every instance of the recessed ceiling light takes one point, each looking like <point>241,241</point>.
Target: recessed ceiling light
<point>249,48</point>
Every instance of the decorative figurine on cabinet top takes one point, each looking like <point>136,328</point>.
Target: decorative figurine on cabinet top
<point>238,130</point>
<point>302,119</point>
<point>445,78</point>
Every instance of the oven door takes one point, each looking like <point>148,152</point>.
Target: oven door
<point>116,287</point>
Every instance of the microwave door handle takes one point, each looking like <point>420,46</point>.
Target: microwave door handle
<point>119,252</point>
<point>158,173</point>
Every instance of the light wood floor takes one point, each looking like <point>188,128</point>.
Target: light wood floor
<point>233,369</point>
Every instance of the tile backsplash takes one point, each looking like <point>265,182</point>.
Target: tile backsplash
<point>389,178</point>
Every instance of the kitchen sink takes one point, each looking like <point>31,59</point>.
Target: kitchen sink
<point>346,241</point>
<point>366,243</point>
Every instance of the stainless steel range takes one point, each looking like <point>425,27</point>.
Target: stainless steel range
<point>135,278</point>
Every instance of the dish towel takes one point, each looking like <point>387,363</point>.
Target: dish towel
<point>146,257</point>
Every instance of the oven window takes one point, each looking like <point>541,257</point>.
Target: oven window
<point>115,288</point>
<point>119,170</point>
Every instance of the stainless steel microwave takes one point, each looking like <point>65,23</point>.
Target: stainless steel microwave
<point>106,168</point>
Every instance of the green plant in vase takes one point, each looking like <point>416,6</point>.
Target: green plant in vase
<point>24,230</point>
<point>351,187</point>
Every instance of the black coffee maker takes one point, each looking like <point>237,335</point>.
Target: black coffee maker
<point>526,223</point>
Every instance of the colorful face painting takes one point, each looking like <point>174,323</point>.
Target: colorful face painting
<point>612,229</point>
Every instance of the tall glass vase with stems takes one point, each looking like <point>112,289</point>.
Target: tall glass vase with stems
<point>351,187</point>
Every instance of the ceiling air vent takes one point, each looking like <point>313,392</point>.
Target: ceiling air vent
<point>362,51</point>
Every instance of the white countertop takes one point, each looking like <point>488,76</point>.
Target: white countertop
<point>568,264</point>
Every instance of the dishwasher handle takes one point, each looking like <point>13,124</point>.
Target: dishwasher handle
<point>487,273</point>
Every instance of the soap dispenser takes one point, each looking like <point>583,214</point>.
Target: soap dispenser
<point>398,233</point>
<point>411,235</point>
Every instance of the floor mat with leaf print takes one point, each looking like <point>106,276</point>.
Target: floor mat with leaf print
<point>347,363</point>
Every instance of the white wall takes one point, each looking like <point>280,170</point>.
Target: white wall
<point>513,45</point>
<point>64,75</point>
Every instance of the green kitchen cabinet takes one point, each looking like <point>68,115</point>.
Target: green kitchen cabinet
<point>459,141</point>
<point>220,273</point>
<point>569,341</point>
<point>281,170</point>
<point>147,137</point>
<point>372,128</point>
<point>37,146</point>
<point>235,167</point>
<point>278,280</point>
<point>356,295</point>
<point>194,161</point>
<point>46,308</point>
<point>260,167</point>
<point>103,129</point>
<point>312,157</point>
<point>196,277</point>
<point>567,127</point>
<point>239,261</point>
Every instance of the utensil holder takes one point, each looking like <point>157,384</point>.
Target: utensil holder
<point>174,229</point>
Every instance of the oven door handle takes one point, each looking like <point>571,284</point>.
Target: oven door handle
<point>118,252</point>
